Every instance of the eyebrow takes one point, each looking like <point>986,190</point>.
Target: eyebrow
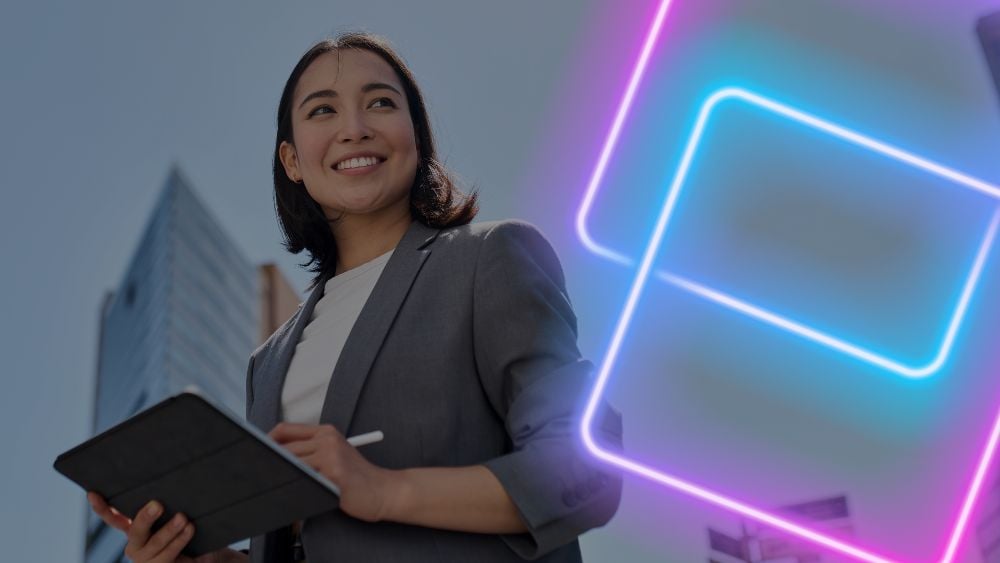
<point>333,93</point>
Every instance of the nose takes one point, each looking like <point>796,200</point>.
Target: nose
<point>353,127</point>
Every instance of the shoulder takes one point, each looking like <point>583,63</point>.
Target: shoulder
<point>507,250</point>
<point>506,242</point>
<point>494,233</point>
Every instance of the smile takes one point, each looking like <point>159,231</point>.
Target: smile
<point>357,163</point>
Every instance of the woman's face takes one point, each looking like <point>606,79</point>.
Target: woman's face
<point>355,148</point>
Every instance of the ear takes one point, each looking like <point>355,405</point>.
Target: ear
<point>290,161</point>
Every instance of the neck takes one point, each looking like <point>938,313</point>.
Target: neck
<point>362,238</point>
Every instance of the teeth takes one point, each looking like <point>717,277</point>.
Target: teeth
<point>357,162</point>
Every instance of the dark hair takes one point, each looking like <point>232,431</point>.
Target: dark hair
<point>435,199</point>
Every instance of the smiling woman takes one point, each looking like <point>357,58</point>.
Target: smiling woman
<point>456,340</point>
<point>348,99</point>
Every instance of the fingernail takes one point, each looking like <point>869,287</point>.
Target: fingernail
<point>154,509</point>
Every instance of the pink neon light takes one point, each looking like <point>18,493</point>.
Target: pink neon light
<point>973,494</point>
<point>612,140</point>
<point>693,489</point>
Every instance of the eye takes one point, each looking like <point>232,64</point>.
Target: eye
<point>387,100</point>
<point>316,111</point>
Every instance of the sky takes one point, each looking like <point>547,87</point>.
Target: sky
<point>102,98</point>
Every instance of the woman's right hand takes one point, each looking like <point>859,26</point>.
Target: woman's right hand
<point>166,544</point>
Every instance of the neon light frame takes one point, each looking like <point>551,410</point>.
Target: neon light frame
<point>693,489</point>
<point>798,328</point>
<point>758,313</point>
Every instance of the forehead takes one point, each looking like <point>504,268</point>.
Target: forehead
<point>354,69</point>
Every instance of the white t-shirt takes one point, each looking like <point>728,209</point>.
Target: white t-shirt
<point>323,339</point>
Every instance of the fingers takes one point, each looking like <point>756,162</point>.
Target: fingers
<point>110,516</point>
<point>313,461</point>
<point>174,547</point>
<point>301,448</point>
<point>163,546</point>
<point>138,535</point>
<point>289,431</point>
<point>166,544</point>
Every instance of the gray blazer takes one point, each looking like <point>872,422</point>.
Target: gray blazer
<point>465,353</point>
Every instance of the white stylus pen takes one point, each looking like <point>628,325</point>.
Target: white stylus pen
<point>366,438</point>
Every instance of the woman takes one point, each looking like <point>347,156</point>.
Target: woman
<point>457,340</point>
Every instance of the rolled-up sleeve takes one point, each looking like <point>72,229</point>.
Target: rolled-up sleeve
<point>530,366</point>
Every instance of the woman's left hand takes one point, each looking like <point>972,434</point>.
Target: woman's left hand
<point>363,486</point>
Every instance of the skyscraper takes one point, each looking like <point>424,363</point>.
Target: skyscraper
<point>188,311</point>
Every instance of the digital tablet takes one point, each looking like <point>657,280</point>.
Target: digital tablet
<point>196,457</point>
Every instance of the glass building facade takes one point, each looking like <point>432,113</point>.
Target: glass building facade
<point>189,310</point>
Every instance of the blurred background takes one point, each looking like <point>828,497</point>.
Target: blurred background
<point>142,253</point>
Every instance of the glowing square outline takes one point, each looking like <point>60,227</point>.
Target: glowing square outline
<point>798,328</point>
<point>759,313</point>
<point>643,275</point>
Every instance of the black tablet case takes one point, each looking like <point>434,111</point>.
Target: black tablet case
<point>197,458</point>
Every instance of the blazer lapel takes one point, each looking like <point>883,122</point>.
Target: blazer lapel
<point>266,409</point>
<point>372,325</point>
<point>355,360</point>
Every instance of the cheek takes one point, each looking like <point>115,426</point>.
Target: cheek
<point>404,137</point>
<point>411,157</point>
<point>311,150</point>
<point>406,165</point>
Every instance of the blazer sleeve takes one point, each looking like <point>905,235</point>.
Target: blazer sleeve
<point>530,367</point>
